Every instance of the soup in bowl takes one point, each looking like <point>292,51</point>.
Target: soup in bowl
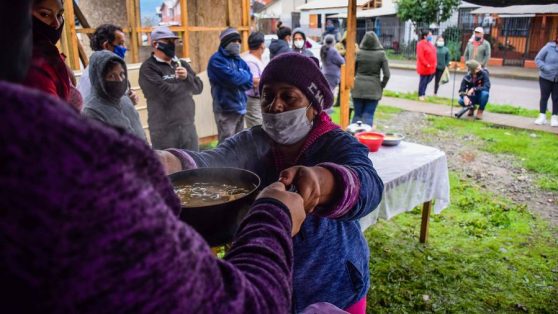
<point>215,200</point>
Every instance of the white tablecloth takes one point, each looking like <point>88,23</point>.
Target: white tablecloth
<point>412,174</point>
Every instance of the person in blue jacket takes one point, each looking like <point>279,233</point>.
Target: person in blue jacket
<point>300,146</point>
<point>230,78</point>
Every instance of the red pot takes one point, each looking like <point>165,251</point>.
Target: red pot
<point>372,140</point>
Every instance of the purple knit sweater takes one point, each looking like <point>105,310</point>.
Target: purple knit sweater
<point>89,225</point>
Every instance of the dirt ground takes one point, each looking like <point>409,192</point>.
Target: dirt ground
<point>498,173</point>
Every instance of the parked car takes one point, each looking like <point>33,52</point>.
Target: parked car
<point>315,47</point>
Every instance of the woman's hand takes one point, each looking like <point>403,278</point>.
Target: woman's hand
<point>314,184</point>
<point>293,201</point>
<point>170,162</point>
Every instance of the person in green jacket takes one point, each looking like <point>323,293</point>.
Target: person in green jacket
<point>442,61</point>
<point>478,48</point>
<point>367,91</point>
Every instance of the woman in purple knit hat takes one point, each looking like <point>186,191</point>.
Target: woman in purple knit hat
<point>89,220</point>
<point>299,145</point>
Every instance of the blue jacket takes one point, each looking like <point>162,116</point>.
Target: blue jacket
<point>547,62</point>
<point>229,77</point>
<point>330,255</point>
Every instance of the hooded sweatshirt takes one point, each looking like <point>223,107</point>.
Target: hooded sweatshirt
<point>370,60</point>
<point>547,62</point>
<point>302,50</point>
<point>101,106</point>
<point>277,47</point>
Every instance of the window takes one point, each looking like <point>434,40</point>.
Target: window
<point>314,21</point>
<point>171,13</point>
<point>515,26</point>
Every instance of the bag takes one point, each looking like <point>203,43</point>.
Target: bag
<point>445,76</point>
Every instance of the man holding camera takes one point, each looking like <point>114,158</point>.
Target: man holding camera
<point>474,89</point>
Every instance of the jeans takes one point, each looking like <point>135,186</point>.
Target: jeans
<point>548,88</point>
<point>423,83</point>
<point>437,80</point>
<point>364,110</point>
<point>480,99</point>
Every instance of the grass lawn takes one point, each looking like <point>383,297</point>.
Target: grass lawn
<point>485,255</point>
<point>495,108</point>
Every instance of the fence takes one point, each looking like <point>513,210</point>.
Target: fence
<point>513,39</point>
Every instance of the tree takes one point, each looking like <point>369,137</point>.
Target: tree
<point>426,12</point>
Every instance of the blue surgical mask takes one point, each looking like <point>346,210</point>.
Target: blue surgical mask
<point>120,51</point>
<point>429,37</point>
<point>287,127</point>
<point>233,49</point>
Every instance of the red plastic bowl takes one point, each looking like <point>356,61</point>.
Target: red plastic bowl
<point>372,140</point>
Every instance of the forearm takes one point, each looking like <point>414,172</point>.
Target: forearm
<point>262,253</point>
<point>340,192</point>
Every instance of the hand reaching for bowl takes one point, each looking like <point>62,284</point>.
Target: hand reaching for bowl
<point>170,162</point>
<point>292,200</point>
<point>314,184</point>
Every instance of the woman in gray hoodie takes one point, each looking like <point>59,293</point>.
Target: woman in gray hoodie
<point>547,62</point>
<point>107,102</point>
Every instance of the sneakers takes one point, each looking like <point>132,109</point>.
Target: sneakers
<point>554,121</point>
<point>422,98</point>
<point>541,120</point>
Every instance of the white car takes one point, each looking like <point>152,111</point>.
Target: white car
<point>315,47</point>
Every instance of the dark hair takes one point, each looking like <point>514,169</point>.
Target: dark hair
<point>103,33</point>
<point>255,40</point>
<point>283,32</point>
<point>424,33</point>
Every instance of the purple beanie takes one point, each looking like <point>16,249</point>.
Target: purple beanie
<point>303,72</point>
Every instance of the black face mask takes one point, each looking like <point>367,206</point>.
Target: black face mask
<point>47,32</point>
<point>116,89</point>
<point>167,49</point>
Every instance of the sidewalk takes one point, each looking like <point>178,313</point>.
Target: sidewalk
<point>443,110</point>
<point>509,72</point>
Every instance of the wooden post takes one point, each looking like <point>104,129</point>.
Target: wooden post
<point>344,95</point>
<point>426,208</point>
<point>71,35</point>
<point>134,44</point>
<point>348,71</point>
<point>229,13</point>
<point>186,34</point>
<point>245,23</point>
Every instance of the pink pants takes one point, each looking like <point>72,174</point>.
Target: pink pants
<point>358,308</point>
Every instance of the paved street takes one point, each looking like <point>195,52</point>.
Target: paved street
<point>522,93</point>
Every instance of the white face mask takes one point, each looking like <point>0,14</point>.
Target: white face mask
<point>287,127</point>
<point>440,43</point>
<point>299,44</point>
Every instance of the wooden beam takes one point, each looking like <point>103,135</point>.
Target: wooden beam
<point>134,44</point>
<point>348,71</point>
<point>71,35</point>
<point>186,33</point>
<point>83,55</point>
<point>229,13</point>
<point>245,23</point>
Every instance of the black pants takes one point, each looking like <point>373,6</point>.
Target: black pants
<point>423,83</point>
<point>437,80</point>
<point>548,88</point>
<point>176,136</point>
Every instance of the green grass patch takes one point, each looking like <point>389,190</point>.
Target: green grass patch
<point>535,150</point>
<point>495,108</point>
<point>391,55</point>
<point>382,113</point>
<point>485,255</point>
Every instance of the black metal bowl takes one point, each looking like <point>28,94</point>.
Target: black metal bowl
<point>218,223</point>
